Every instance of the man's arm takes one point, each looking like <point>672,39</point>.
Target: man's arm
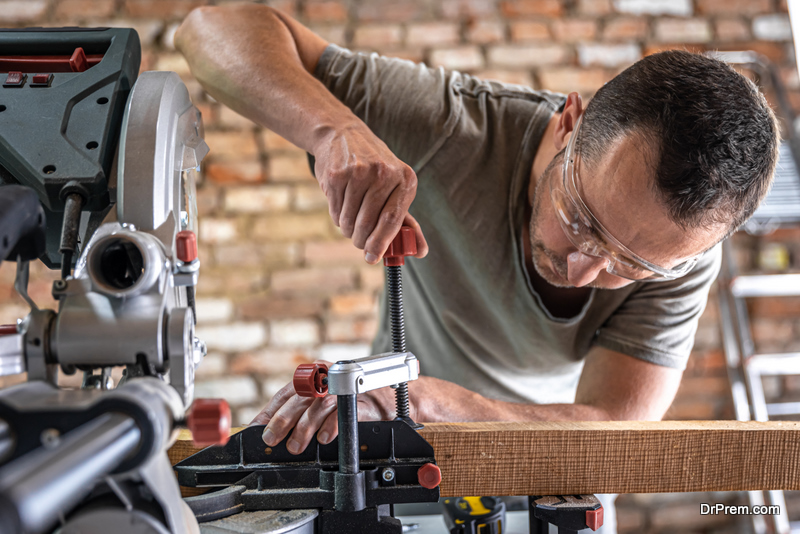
<point>613,386</point>
<point>259,62</point>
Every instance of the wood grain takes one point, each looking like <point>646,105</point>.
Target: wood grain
<point>551,458</point>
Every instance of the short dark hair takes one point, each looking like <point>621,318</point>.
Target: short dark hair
<point>714,135</point>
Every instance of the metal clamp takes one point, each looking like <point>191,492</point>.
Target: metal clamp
<point>351,377</point>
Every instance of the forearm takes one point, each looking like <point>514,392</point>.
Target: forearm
<point>437,400</point>
<point>246,57</point>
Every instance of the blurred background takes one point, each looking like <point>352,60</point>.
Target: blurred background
<point>279,285</point>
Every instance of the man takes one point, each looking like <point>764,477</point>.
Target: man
<point>571,250</point>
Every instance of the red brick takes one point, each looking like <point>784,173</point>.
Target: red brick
<point>529,30</point>
<point>261,255</point>
<point>372,277</point>
<point>234,172</point>
<point>294,332</point>
<point>325,11</point>
<point>594,7</point>
<point>287,6</point>
<point>694,410</point>
<point>377,35</point>
<point>655,48</point>
<point>351,329</point>
<point>82,9</point>
<point>507,76</point>
<point>702,387</point>
<point>353,304</point>
<point>468,9</point>
<point>278,307</point>
<point>672,30</point>
<point>339,252</point>
<point>413,55</point>
<point>318,280</point>
<point>432,33</point>
<point>19,11</point>
<point>229,119</point>
<point>292,226</point>
<point>485,31</point>
<point>776,52</point>
<point>625,28</point>
<point>573,79</point>
<point>309,198</point>
<point>275,143</point>
<point>231,145</point>
<point>220,282</point>
<point>160,8</point>
<point>291,167</point>
<point>390,11</point>
<point>608,55</point>
<point>217,230</point>
<point>527,8</point>
<point>336,34</point>
<point>269,361</point>
<point>257,199</point>
<point>774,307</point>
<point>731,7</point>
<point>208,200</point>
<point>527,55</point>
<point>574,30</point>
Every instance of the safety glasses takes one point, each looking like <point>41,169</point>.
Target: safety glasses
<point>589,236</point>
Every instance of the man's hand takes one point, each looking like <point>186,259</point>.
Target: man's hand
<point>369,189</point>
<point>288,410</point>
<point>260,62</point>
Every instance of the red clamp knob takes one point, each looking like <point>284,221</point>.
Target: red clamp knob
<point>210,422</point>
<point>404,244</point>
<point>594,518</point>
<point>311,380</point>
<point>186,246</point>
<point>8,329</point>
<point>429,476</point>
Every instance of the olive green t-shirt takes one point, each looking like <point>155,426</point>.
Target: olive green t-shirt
<point>472,315</point>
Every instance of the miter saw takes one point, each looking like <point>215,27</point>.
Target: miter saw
<point>97,173</point>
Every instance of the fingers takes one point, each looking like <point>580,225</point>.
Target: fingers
<point>389,222</point>
<point>329,429</point>
<point>285,418</point>
<point>280,398</point>
<point>422,243</point>
<point>310,422</point>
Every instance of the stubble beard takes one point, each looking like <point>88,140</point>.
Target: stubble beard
<point>538,251</point>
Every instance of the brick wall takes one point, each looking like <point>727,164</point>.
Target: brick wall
<point>279,286</point>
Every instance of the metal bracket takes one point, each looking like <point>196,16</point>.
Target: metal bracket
<point>351,377</point>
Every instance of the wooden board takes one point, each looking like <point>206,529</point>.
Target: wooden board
<point>552,458</point>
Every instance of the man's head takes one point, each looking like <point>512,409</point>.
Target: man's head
<point>672,155</point>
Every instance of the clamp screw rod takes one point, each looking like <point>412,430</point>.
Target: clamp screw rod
<point>394,286</point>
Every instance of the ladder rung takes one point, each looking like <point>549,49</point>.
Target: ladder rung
<point>766,285</point>
<point>787,363</point>
<point>783,408</point>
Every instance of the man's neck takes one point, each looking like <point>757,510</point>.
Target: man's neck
<point>544,155</point>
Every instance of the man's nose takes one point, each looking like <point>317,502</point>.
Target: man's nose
<point>582,269</point>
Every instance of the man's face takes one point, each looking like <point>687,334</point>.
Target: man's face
<point>618,191</point>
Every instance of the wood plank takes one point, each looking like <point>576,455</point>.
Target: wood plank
<point>551,458</point>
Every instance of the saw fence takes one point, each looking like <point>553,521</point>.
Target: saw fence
<point>561,458</point>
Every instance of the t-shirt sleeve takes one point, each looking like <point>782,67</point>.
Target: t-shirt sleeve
<point>658,321</point>
<point>411,107</point>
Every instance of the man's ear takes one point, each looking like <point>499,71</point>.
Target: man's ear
<point>573,109</point>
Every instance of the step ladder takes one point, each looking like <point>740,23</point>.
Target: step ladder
<point>746,368</point>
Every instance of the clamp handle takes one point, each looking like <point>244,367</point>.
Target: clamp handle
<point>311,380</point>
<point>404,244</point>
